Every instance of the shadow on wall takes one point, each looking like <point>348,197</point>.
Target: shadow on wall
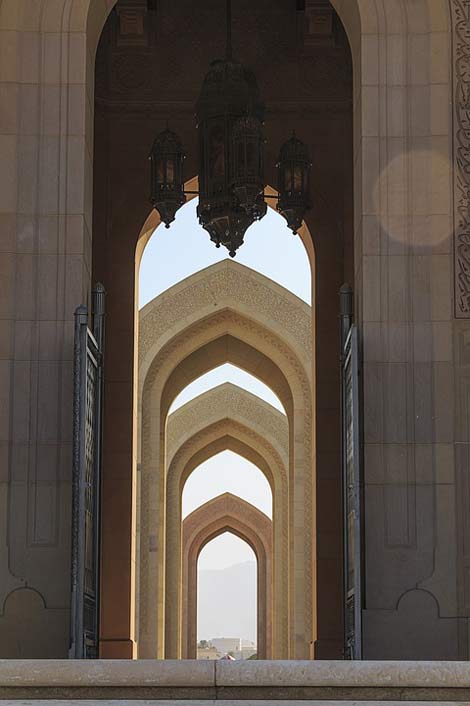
<point>29,630</point>
<point>415,628</point>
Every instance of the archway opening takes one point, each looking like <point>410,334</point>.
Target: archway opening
<point>227,589</point>
<point>120,208</point>
<point>227,513</point>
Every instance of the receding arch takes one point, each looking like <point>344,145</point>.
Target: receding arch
<point>215,289</point>
<point>227,401</point>
<point>255,447</point>
<point>227,418</point>
<point>174,363</point>
<point>225,313</point>
<point>221,514</point>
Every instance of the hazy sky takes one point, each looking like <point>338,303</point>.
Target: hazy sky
<point>170,256</point>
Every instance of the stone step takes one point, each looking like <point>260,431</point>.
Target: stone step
<point>164,682</point>
<point>210,702</point>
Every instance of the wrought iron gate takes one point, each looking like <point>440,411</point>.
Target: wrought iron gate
<point>86,479</point>
<point>352,480</point>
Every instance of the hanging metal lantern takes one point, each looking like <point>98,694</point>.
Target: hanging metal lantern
<point>167,182</point>
<point>293,185</point>
<point>229,116</point>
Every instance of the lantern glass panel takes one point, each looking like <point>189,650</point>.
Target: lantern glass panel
<point>287,178</point>
<point>298,181</point>
<point>170,172</point>
<point>217,153</point>
<point>160,171</point>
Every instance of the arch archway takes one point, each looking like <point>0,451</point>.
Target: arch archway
<point>240,422</point>
<point>76,27</point>
<point>221,514</point>
<point>250,324</point>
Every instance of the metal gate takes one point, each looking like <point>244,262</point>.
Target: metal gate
<point>352,480</point>
<point>86,479</point>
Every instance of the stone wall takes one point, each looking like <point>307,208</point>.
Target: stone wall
<point>410,276</point>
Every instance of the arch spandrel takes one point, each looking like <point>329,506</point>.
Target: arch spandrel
<point>227,512</point>
<point>227,401</point>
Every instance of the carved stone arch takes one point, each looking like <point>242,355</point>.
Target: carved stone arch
<point>237,332</point>
<point>224,513</point>
<point>227,401</point>
<point>217,289</point>
<point>227,417</point>
<point>208,442</point>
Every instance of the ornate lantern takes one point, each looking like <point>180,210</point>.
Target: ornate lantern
<point>229,117</point>
<point>167,183</point>
<point>293,185</point>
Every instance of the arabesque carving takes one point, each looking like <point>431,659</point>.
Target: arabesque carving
<point>461,39</point>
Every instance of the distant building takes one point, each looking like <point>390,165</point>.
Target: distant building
<point>208,653</point>
<point>227,644</point>
<point>240,649</point>
<point>247,649</point>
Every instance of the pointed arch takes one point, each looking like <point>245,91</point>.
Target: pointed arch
<point>227,513</point>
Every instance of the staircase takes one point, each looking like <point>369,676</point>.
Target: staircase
<point>189,682</point>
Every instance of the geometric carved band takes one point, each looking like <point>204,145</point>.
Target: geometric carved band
<point>460,10</point>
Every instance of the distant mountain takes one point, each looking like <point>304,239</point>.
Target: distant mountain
<point>227,602</point>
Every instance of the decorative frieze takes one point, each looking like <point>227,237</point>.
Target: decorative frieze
<point>461,47</point>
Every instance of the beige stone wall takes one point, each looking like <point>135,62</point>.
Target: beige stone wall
<point>404,264</point>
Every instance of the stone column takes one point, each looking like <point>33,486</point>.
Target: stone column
<point>404,269</point>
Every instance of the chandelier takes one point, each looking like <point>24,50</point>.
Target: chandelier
<point>229,119</point>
